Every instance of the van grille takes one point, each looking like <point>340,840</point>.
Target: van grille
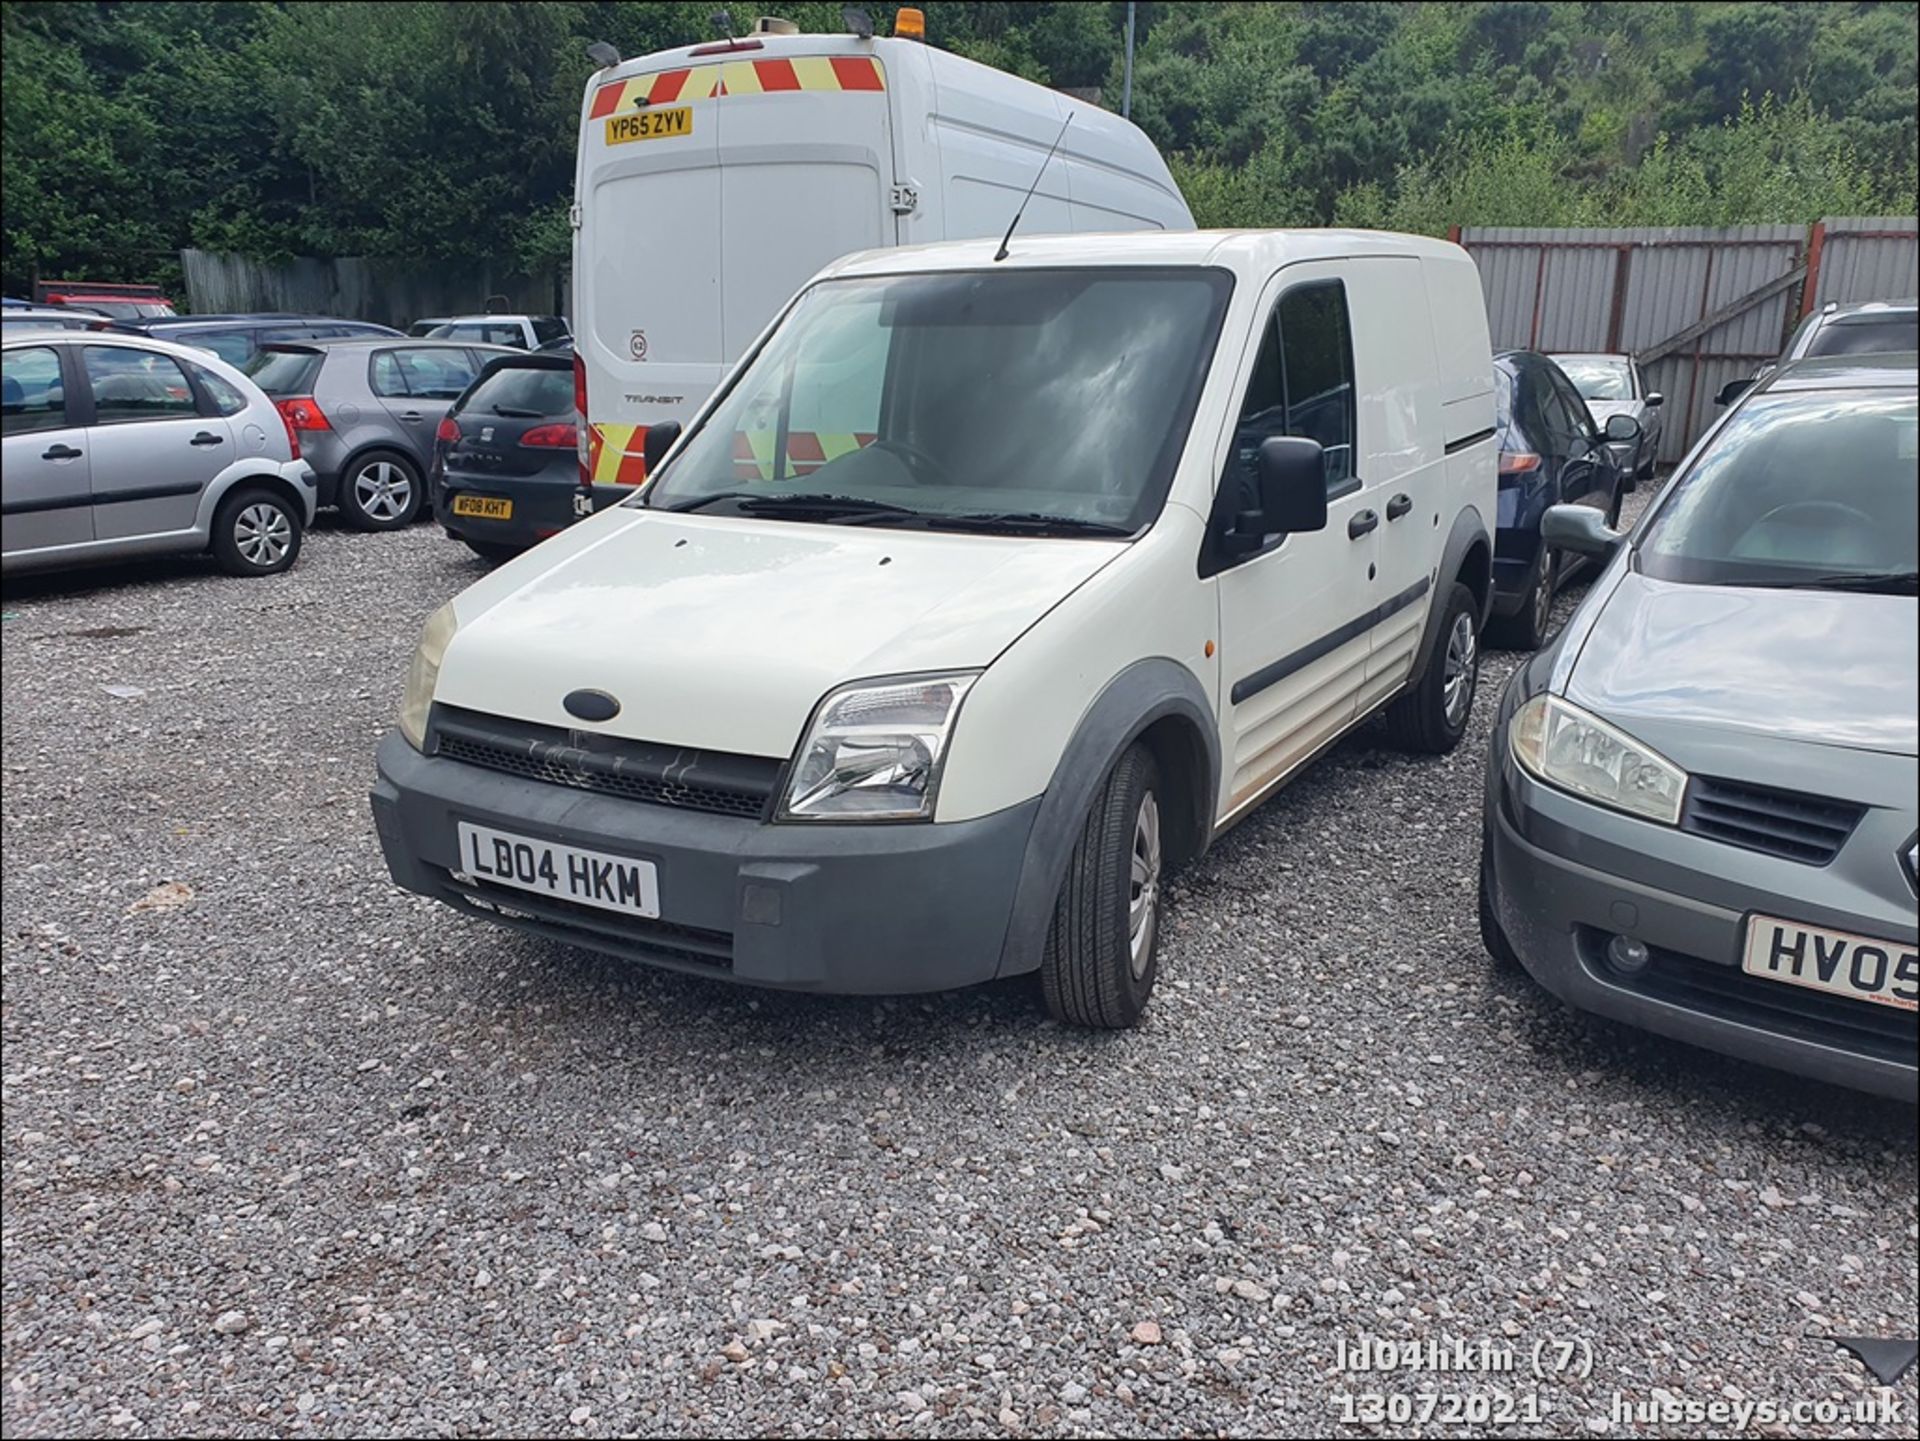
<point>714,782</point>
<point>1795,827</point>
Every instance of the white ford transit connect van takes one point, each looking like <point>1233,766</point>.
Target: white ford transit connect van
<point>1137,526</point>
<point>714,180</point>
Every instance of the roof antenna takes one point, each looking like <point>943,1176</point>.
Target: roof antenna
<point>1001,254</point>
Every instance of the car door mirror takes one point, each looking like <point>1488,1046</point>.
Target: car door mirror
<point>1655,400</point>
<point>659,441</point>
<point>1733,390</point>
<point>1291,475</point>
<point>1622,427</point>
<point>1580,529</point>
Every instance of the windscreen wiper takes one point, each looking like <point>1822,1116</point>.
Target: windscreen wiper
<point>1027,522</point>
<point>513,412</point>
<point>798,504</point>
<point>1878,582</point>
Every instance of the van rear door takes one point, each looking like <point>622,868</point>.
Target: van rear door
<point>806,164</point>
<point>646,272</point>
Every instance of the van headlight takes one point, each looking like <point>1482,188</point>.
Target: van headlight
<point>1564,746</point>
<point>424,673</point>
<point>874,750</point>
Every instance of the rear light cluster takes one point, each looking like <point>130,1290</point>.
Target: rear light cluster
<point>564,435</point>
<point>583,432</point>
<point>449,430</point>
<point>298,413</point>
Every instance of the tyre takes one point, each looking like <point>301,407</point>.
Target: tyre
<point>380,491</point>
<point>492,552</point>
<point>1527,628</point>
<point>1432,716</point>
<point>256,531</point>
<point>1491,936</point>
<point>1104,941</point>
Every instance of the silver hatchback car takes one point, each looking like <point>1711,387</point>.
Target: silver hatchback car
<point>118,446</point>
<point>367,412</point>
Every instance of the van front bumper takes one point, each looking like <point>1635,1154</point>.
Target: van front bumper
<point>840,908</point>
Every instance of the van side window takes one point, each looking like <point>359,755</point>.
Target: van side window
<point>1316,355</point>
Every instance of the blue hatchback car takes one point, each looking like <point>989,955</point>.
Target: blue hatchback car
<point>1551,453</point>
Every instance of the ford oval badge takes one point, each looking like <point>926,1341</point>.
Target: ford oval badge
<point>591,705</point>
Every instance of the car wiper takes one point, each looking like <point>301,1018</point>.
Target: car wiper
<point>1028,522</point>
<point>1884,582</point>
<point>513,412</point>
<point>822,507</point>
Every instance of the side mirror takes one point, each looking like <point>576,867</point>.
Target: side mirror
<point>1291,472</point>
<point>1580,529</point>
<point>1655,400</point>
<point>1733,390</point>
<point>659,441</point>
<point>1622,427</point>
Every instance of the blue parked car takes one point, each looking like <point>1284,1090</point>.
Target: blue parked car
<point>1551,453</point>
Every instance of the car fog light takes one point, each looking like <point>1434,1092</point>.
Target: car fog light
<point>1627,956</point>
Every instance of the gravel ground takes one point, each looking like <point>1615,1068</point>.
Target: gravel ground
<point>298,1153</point>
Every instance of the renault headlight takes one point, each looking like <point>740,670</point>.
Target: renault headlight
<point>1561,744</point>
<point>874,750</point>
<point>424,674</point>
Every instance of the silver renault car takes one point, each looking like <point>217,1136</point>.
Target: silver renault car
<point>1700,809</point>
<point>119,446</point>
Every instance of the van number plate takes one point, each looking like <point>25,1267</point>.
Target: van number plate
<point>568,873</point>
<point>650,125</point>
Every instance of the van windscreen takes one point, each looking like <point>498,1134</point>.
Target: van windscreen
<point>962,399</point>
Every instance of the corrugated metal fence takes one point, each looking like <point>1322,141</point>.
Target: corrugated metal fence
<point>1699,305</point>
<point>382,291</point>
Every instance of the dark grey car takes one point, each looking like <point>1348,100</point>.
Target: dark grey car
<point>366,412</point>
<point>1700,813</point>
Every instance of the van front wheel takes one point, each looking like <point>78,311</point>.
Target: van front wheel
<point>1104,941</point>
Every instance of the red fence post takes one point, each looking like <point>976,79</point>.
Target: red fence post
<point>1453,234</point>
<point>1816,245</point>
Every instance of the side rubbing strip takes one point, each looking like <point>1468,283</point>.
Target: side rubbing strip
<point>1327,644</point>
<point>1466,440</point>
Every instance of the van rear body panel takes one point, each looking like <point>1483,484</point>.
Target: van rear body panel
<point>713,182</point>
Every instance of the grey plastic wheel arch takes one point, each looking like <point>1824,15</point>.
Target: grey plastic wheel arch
<point>1144,693</point>
<point>1468,528</point>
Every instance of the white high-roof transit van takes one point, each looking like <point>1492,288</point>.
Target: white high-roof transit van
<point>1140,525</point>
<point>714,180</point>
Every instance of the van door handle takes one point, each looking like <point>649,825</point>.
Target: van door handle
<point>1399,506</point>
<point>1362,522</point>
<point>205,437</point>
<point>59,452</point>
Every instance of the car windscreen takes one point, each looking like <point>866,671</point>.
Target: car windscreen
<point>1597,378</point>
<point>522,390</point>
<point>549,328</point>
<point>1815,489</point>
<point>1881,335</point>
<point>965,397</point>
<point>285,372</point>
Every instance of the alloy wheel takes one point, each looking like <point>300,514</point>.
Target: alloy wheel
<point>383,491</point>
<point>1143,887</point>
<point>1462,669</point>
